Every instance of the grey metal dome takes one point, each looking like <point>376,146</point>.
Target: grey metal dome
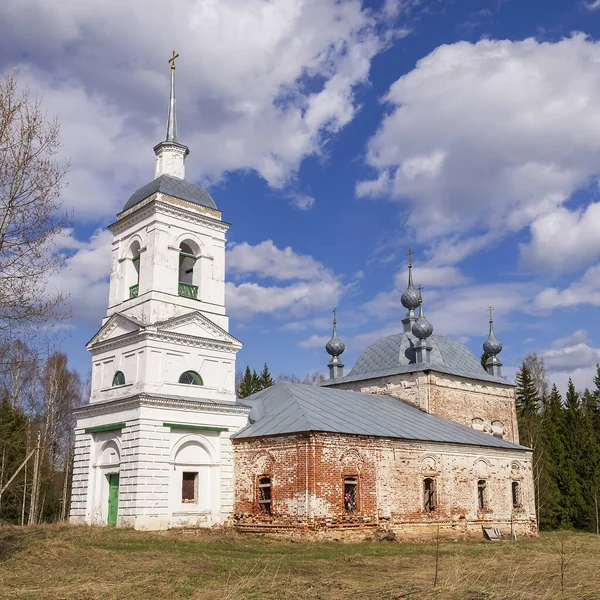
<point>492,345</point>
<point>335,346</point>
<point>410,297</point>
<point>174,187</point>
<point>422,328</point>
<point>396,354</point>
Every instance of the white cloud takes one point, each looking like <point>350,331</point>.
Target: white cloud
<point>592,5</point>
<point>302,201</point>
<point>578,337</point>
<point>562,238</point>
<point>584,291</point>
<point>313,286</point>
<point>315,341</point>
<point>261,84</point>
<point>490,138</point>
<point>85,277</point>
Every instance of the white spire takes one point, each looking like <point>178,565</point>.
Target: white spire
<point>170,154</point>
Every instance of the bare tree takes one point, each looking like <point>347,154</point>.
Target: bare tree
<point>537,368</point>
<point>31,180</point>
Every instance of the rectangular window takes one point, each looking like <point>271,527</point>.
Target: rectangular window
<point>350,487</point>
<point>264,495</point>
<point>482,494</point>
<point>189,487</point>
<point>429,494</point>
<point>516,494</point>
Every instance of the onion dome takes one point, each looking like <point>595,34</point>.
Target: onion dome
<point>410,296</point>
<point>492,345</point>
<point>422,328</point>
<point>335,346</point>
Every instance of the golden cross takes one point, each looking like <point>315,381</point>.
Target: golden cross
<point>172,60</point>
<point>490,309</point>
<point>409,254</point>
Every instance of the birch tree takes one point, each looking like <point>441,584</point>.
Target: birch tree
<point>31,217</point>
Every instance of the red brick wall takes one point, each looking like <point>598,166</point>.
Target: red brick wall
<point>308,470</point>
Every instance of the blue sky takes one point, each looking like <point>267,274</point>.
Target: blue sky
<point>333,136</point>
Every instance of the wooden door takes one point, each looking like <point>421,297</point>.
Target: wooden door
<point>113,498</point>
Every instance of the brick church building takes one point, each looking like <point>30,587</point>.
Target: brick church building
<point>417,435</point>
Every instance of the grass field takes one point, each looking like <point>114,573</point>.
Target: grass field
<point>61,562</point>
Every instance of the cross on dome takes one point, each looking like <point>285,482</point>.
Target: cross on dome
<point>172,59</point>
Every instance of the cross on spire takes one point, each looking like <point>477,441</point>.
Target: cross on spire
<point>172,60</point>
<point>334,315</point>
<point>419,288</point>
<point>409,254</point>
<point>490,309</point>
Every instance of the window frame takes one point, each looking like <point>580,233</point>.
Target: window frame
<point>116,380</point>
<point>265,505</point>
<point>482,495</point>
<point>429,495</point>
<point>195,480</point>
<point>195,374</point>
<point>350,480</point>
<point>515,486</point>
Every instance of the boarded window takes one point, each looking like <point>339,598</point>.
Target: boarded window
<point>264,495</point>
<point>350,488</point>
<point>429,494</point>
<point>482,494</point>
<point>498,429</point>
<point>189,487</point>
<point>516,494</point>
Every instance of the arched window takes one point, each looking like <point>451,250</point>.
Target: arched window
<point>264,495</point>
<point>481,494</point>
<point>118,379</point>
<point>516,494</point>
<point>350,494</point>
<point>187,264</point>
<point>191,378</point>
<point>132,267</point>
<point>429,503</point>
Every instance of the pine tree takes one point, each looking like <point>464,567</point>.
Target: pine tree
<point>255,383</point>
<point>484,358</point>
<point>573,438</point>
<point>527,407</point>
<point>246,385</point>
<point>266,380</point>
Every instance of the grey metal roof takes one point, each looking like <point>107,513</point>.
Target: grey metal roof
<point>294,407</point>
<point>395,354</point>
<point>175,187</point>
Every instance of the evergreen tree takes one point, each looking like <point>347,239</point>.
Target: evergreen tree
<point>246,385</point>
<point>266,380</point>
<point>527,407</point>
<point>573,439</point>
<point>484,358</point>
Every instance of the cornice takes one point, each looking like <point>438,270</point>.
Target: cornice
<point>139,400</point>
<point>165,336</point>
<point>154,205</point>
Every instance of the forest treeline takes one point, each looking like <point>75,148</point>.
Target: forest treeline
<point>564,434</point>
<point>37,397</point>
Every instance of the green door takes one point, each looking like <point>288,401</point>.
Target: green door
<point>113,498</point>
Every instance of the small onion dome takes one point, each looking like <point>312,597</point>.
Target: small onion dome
<point>335,346</point>
<point>492,345</point>
<point>422,327</point>
<point>410,296</point>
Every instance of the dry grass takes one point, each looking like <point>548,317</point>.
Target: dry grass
<point>61,562</point>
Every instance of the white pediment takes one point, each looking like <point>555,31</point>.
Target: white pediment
<point>196,325</point>
<point>116,326</point>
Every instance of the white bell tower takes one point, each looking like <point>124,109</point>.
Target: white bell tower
<point>163,363</point>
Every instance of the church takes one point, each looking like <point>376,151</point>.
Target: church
<point>417,438</point>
